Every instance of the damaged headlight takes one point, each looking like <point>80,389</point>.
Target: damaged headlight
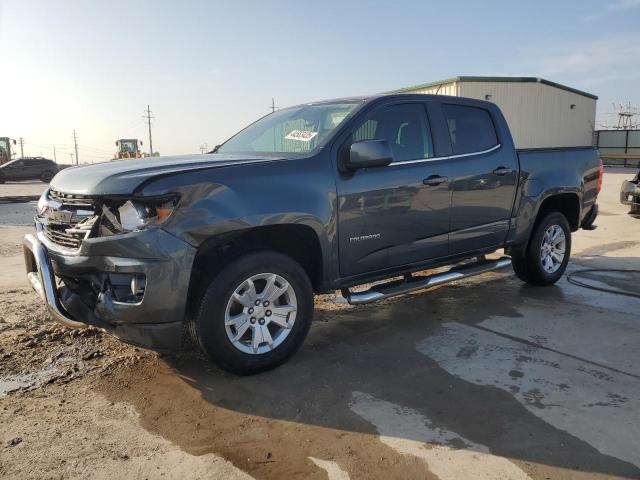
<point>136,214</point>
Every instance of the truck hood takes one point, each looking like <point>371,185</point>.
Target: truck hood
<point>122,177</point>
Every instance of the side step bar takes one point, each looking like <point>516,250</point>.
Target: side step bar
<point>411,284</point>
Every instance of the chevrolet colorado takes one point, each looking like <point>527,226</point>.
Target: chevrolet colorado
<point>230,246</point>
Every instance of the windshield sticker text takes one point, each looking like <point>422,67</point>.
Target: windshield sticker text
<point>301,135</point>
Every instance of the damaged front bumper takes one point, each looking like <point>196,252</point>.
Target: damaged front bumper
<point>133,286</point>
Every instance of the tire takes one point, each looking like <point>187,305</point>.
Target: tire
<point>213,327</point>
<point>2,180</point>
<point>46,177</point>
<point>529,264</point>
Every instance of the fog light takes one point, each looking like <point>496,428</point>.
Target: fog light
<point>126,287</point>
<point>138,283</point>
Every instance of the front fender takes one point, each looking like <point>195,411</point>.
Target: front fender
<point>232,199</point>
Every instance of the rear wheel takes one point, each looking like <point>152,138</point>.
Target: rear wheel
<point>547,255</point>
<point>46,177</point>
<point>255,313</point>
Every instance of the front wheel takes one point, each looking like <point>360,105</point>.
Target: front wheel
<point>547,255</point>
<point>255,313</point>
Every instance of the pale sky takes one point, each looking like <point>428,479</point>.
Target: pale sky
<point>208,68</point>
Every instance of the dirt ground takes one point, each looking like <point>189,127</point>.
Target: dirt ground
<point>484,378</point>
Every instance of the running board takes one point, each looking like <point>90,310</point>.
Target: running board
<point>411,284</point>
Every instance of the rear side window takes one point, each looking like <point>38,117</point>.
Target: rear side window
<point>471,129</point>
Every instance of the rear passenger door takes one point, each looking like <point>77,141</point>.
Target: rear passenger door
<point>484,179</point>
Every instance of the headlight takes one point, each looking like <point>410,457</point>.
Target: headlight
<point>42,202</point>
<point>136,214</point>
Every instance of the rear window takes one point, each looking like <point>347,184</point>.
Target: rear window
<point>470,128</point>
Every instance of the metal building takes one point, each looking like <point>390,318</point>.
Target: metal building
<point>540,113</point>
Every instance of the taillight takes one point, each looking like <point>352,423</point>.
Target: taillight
<point>600,175</point>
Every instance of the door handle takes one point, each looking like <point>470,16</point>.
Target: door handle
<point>434,180</point>
<point>501,171</point>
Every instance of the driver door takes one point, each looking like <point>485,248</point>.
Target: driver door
<point>15,171</point>
<point>398,214</point>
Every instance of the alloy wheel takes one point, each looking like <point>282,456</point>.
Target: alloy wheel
<point>260,313</point>
<point>552,250</point>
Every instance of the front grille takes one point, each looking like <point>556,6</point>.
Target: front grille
<point>57,233</point>
<point>70,199</point>
<point>68,222</point>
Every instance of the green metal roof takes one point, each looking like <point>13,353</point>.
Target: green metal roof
<point>496,79</point>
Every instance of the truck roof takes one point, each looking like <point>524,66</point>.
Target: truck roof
<point>418,96</point>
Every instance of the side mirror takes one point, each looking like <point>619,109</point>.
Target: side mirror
<point>369,153</point>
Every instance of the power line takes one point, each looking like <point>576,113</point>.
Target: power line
<point>149,117</point>
<point>94,149</point>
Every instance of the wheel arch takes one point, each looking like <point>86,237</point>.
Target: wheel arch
<point>567,203</point>
<point>298,241</point>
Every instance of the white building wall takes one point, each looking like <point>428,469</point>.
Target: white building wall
<point>538,115</point>
<point>452,89</point>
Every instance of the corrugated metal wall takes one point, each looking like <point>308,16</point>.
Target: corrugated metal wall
<point>619,147</point>
<point>452,89</point>
<point>539,115</point>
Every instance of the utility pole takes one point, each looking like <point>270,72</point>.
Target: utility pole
<point>75,143</point>
<point>55,159</point>
<point>273,105</point>
<point>149,117</point>
<point>202,149</point>
<point>21,147</point>
<point>71,155</point>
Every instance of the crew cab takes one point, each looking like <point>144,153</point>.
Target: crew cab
<point>231,246</point>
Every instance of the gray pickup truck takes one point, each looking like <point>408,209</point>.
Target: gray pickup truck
<point>231,246</point>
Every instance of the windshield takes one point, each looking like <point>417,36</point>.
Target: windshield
<point>13,163</point>
<point>296,130</point>
<point>4,150</point>
<point>128,146</point>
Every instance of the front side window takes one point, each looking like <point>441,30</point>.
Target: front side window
<point>470,128</point>
<point>296,130</point>
<point>404,127</point>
